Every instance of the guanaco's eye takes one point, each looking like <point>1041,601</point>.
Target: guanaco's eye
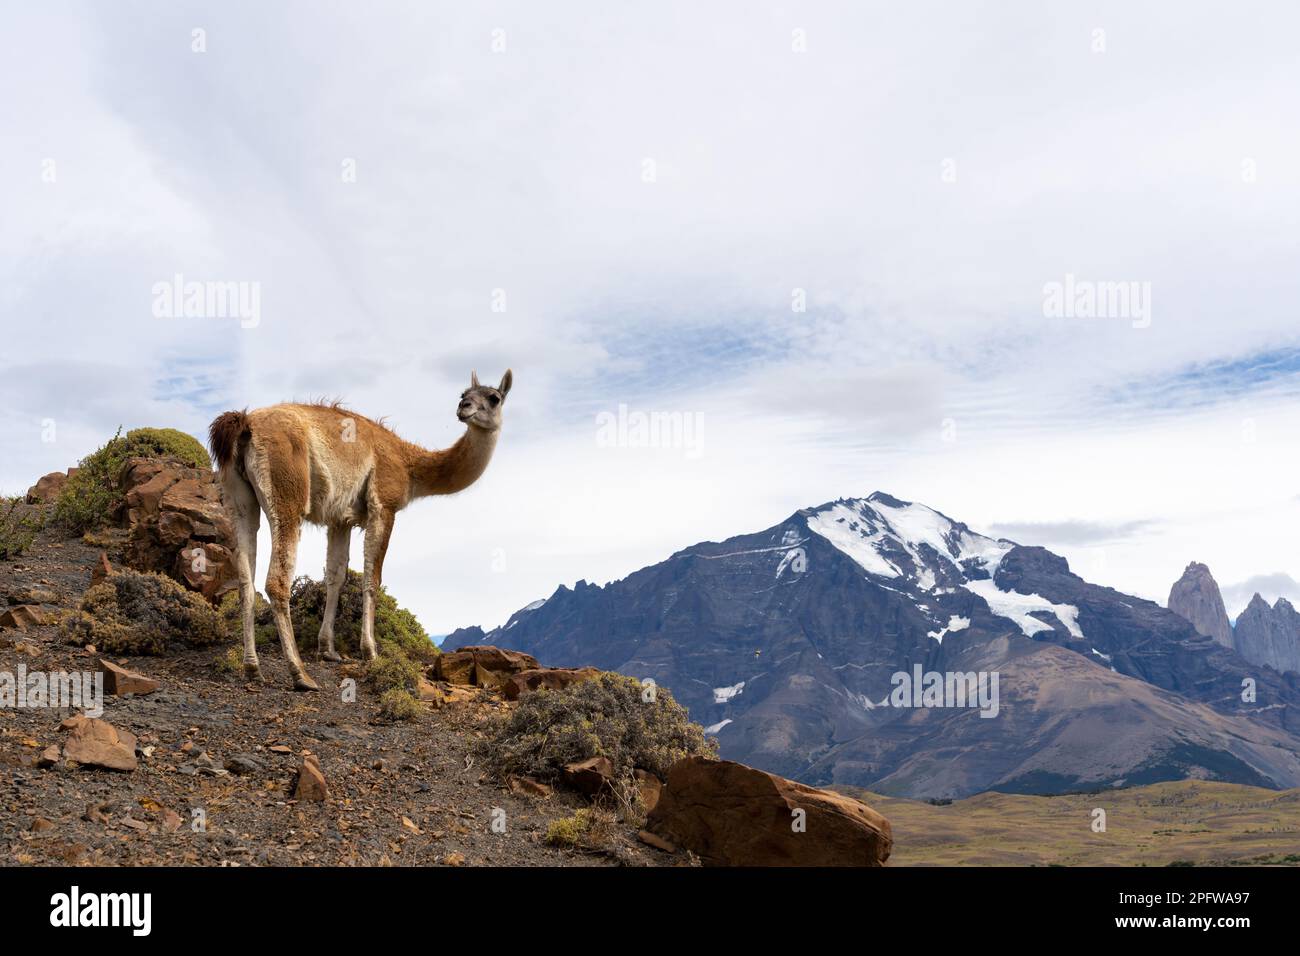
<point>493,401</point>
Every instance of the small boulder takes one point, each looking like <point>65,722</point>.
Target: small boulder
<point>97,743</point>
<point>550,678</point>
<point>120,681</point>
<point>47,488</point>
<point>311,785</point>
<point>22,617</point>
<point>102,571</point>
<point>590,776</point>
<point>733,815</point>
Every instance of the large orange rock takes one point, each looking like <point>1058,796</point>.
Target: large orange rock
<point>48,487</point>
<point>729,814</point>
<point>97,743</point>
<point>549,678</point>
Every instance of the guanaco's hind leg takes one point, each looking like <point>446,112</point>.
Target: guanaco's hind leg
<point>336,573</point>
<point>245,516</point>
<point>379,527</point>
<point>284,553</point>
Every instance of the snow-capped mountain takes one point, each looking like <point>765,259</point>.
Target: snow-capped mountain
<point>787,644</point>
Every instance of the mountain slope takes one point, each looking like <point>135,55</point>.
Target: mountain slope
<point>786,643</point>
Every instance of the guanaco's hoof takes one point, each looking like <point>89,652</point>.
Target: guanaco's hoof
<point>303,682</point>
<point>253,673</point>
<point>330,656</point>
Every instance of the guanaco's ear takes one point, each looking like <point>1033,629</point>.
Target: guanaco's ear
<point>506,381</point>
<point>473,379</point>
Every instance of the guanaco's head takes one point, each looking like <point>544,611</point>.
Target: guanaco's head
<point>480,405</point>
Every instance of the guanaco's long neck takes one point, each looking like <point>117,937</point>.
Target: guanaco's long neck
<point>449,470</point>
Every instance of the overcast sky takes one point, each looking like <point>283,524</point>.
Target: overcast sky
<point>650,195</point>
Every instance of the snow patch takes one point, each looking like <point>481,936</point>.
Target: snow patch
<point>722,695</point>
<point>714,728</point>
<point>1018,607</point>
<point>955,623</point>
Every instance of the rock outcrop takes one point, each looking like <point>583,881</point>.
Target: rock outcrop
<point>1196,599</point>
<point>482,666</point>
<point>177,524</point>
<point>732,815</point>
<point>1270,636</point>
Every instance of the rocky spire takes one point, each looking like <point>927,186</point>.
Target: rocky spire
<point>1270,635</point>
<point>1196,598</point>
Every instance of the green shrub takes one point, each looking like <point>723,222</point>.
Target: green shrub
<point>397,704</point>
<point>92,494</point>
<point>396,629</point>
<point>391,671</point>
<point>19,524</point>
<point>607,716</point>
<point>589,827</point>
<point>264,630</point>
<point>143,613</point>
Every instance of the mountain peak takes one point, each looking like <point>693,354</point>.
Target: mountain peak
<point>1195,597</point>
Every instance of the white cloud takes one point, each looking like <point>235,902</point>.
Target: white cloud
<point>522,171</point>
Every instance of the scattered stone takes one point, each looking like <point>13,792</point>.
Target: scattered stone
<point>244,764</point>
<point>659,843</point>
<point>21,617</point>
<point>171,821</point>
<point>40,824</point>
<point>120,681</point>
<point>453,859</point>
<point>527,785</point>
<point>102,571</point>
<point>280,749</point>
<point>49,756</point>
<point>310,785</point>
<point>590,776</point>
<point>550,678</point>
<point>32,596</point>
<point>97,743</point>
<point>732,815</point>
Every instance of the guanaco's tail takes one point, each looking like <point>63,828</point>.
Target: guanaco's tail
<point>227,436</point>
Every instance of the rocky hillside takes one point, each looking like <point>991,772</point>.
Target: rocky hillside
<point>183,762</point>
<point>786,643</point>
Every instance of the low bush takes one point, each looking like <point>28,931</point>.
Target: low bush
<point>590,828</point>
<point>397,704</point>
<point>396,628</point>
<point>608,716</point>
<point>19,524</point>
<point>143,613</point>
